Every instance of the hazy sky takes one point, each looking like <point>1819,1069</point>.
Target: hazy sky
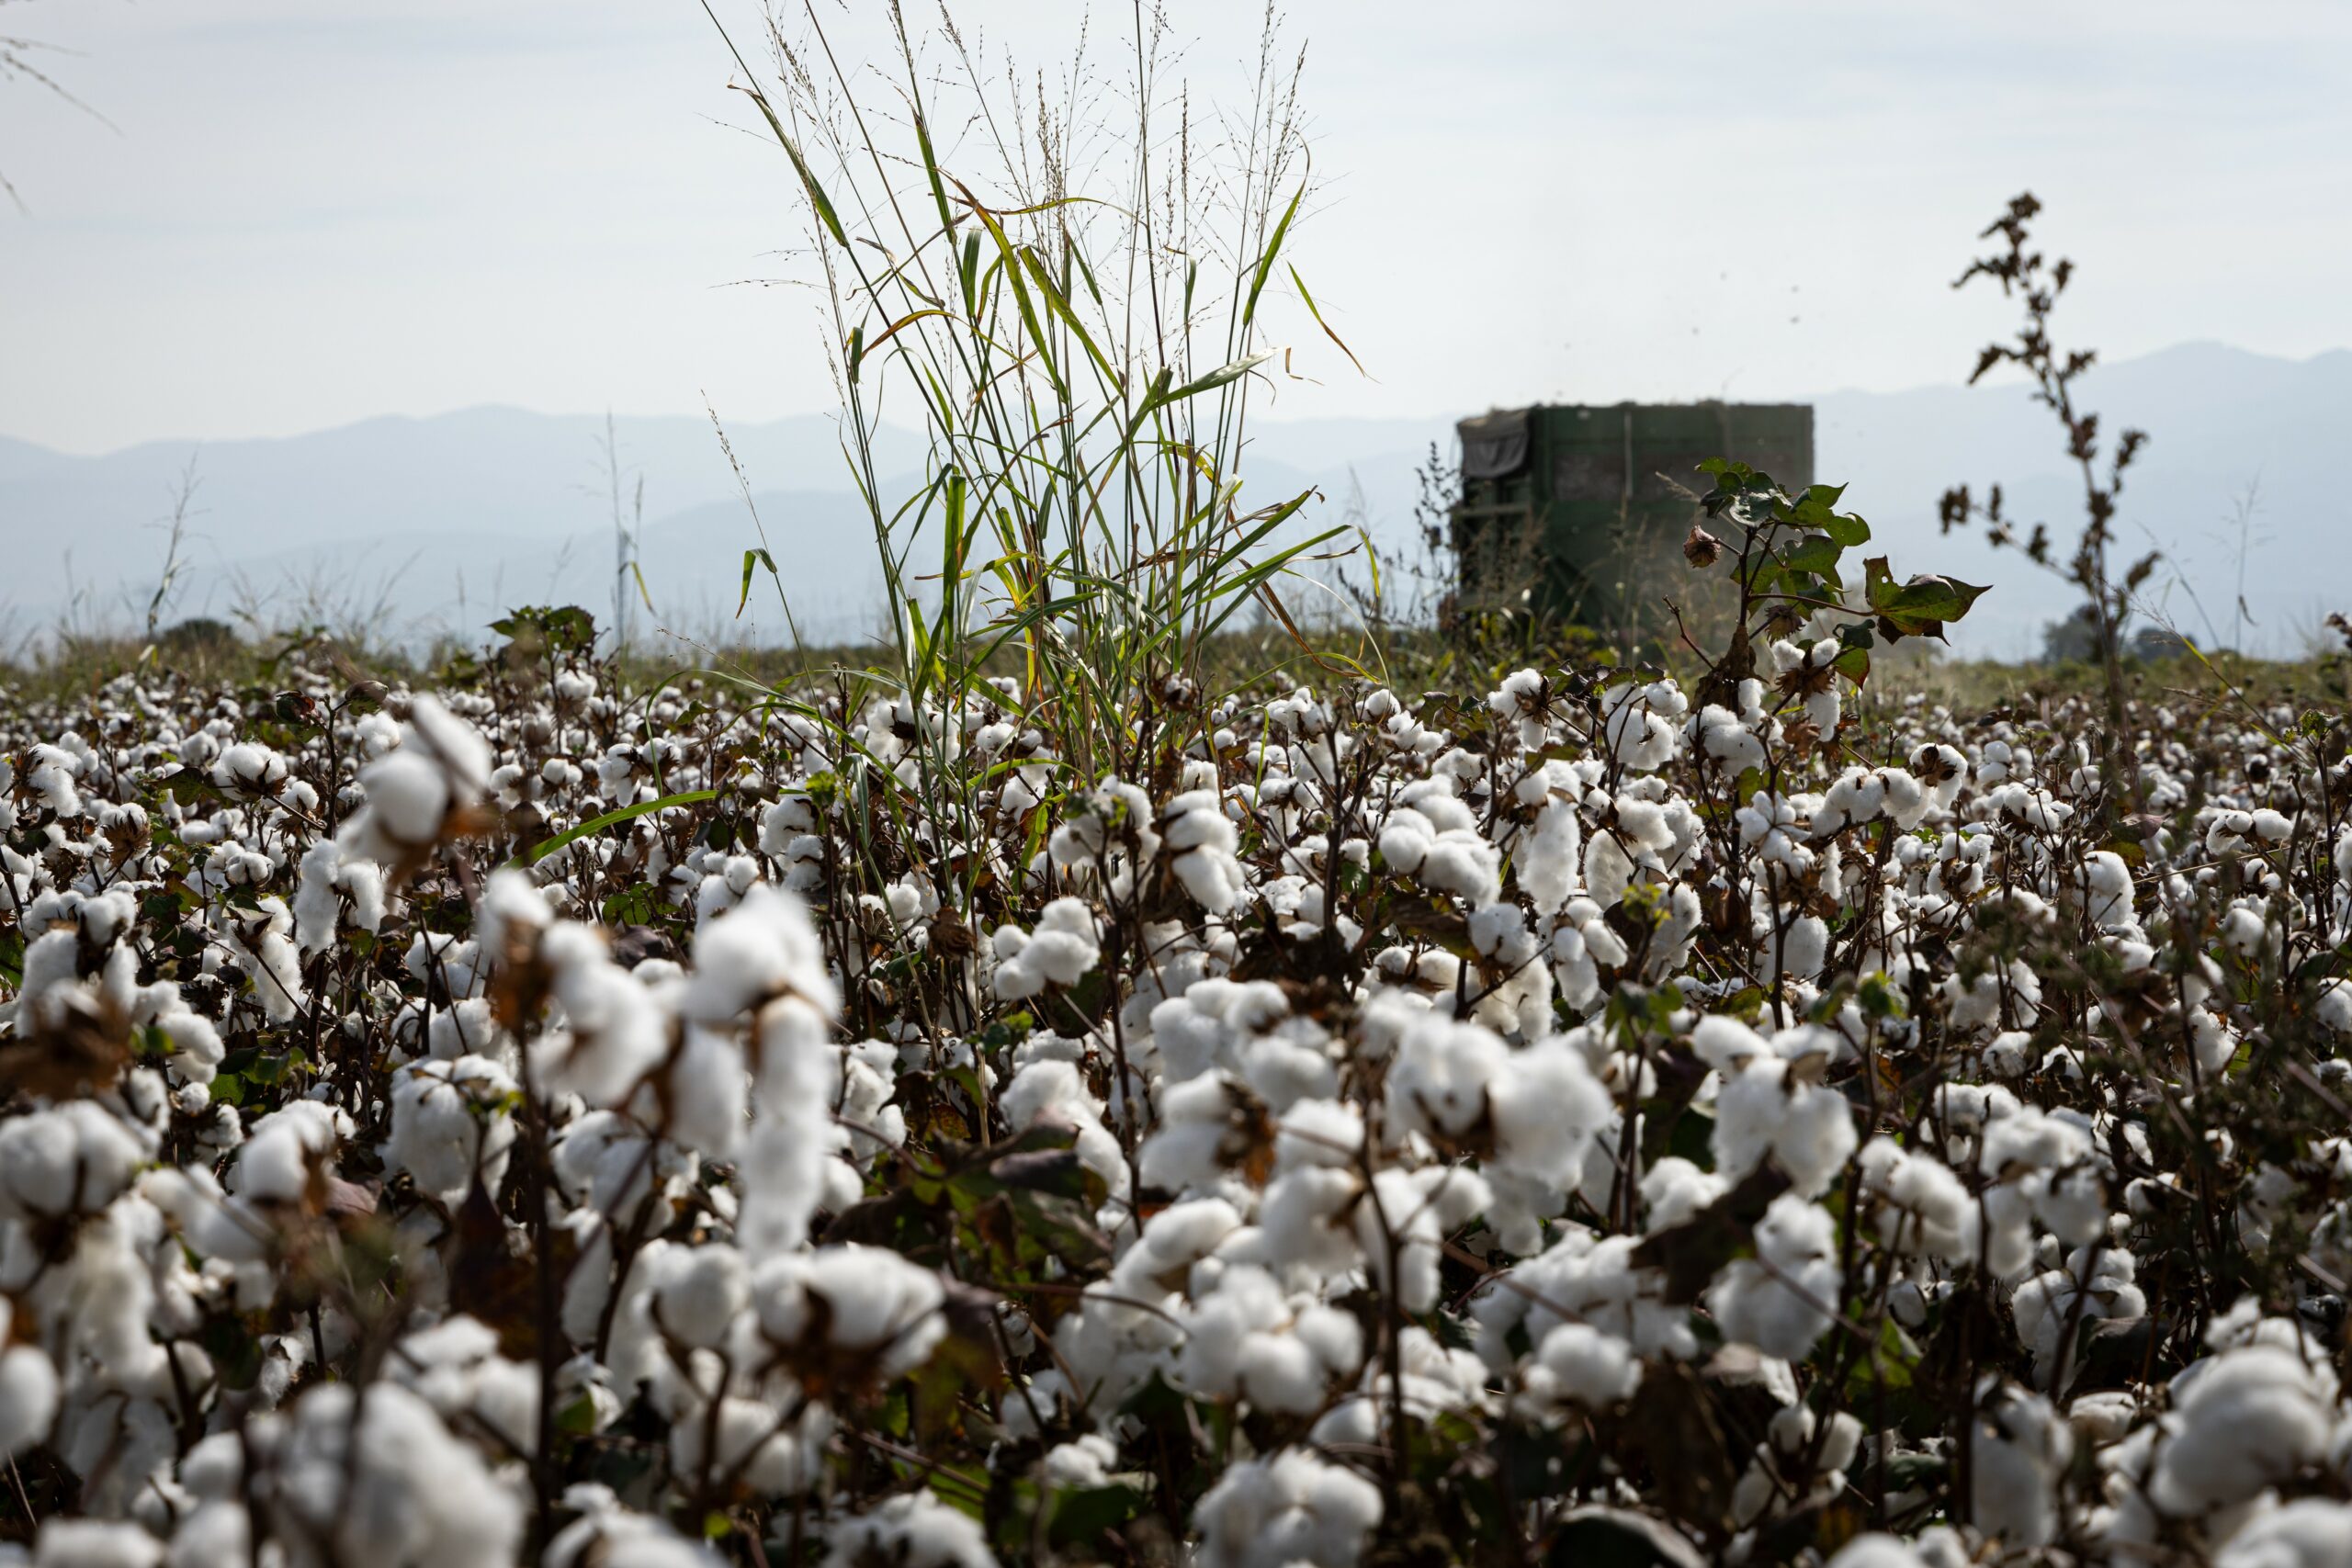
<point>317,210</point>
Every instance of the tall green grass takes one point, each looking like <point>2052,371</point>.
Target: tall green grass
<point>1073,297</point>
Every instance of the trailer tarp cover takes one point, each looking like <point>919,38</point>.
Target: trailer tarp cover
<point>1494,446</point>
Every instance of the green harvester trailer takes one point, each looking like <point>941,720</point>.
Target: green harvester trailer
<point>1578,514</point>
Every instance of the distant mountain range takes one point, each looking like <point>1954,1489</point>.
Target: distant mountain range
<point>427,526</point>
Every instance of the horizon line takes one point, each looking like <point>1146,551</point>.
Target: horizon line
<point>464,410</point>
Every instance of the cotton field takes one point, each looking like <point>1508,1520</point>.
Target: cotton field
<point>1335,1125</point>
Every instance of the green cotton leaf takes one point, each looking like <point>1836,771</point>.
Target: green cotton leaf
<point>1596,1536</point>
<point>1815,553</point>
<point>1062,1226</point>
<point>1846,529</point>
<point>1891,1362</point>
<point>1854,664</point>
<point>189,787</point>
<point>1817,508</point>
<point>1081,1516</point>
<point>1919,607</point>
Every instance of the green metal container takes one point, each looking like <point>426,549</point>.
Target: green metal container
<point>1579,512</point>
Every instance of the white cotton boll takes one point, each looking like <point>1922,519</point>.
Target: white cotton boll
<point>1727,1045</point>
<point>702,1291</point>
<point>863,1301</point>
<point>408,797</point>
<point>71,1158</point>
<point>1438,1084</point>
<point>2243,1420</point>
<point>1673,1190</point>
<point>787,819</point>
<point>94,1543</point>
<point>1053,1094</point>
<point>1639,722</point>
<point>215,1531</point>
<point>317,904</point>
<point>51,776</point>
<point>1522,700</point>
<point>614,1029</point>
<point>385,1484</point>
<point>1213,1024</point>
<point>1456,859</point>
<point>915,1529</point>
<point>2088,1289</point>
<point>275,1162</point>
<point>1462,862</point>
<point>1807,1129</point>
<point>1608,869</point>
<point>1214,880</point>
<point>1877,1551</point>
<point>2309,1532</point>
<point>1406,1220</point>
<point>1784,1311</point>
<point>1203,840</point>
<point>2243,931</point>
<point>1548,862</point>
<point>1577,1364</point>
<point>1278,1373</point>
<point>1083,1462</point>
<point>782,1173</point>
<point>452,1123</point>
<point>1405,840</point>
<point>2021,1447</point>
<point>1547,1109</point>
<point>1189,1149</point>
<point>1246,1337</point>
<point>747,1439</point>
<point>1172,1241</point>
<point>259,940</point>
<point>700,1098</point>
<point>2105,1417</point>
<point>765,949</point>
<point>1060,952</point>
<point>608,1536</point>
<point>1319,1132</point>
<point>2106,887</point>
<point>466,1028</point>
<point>455,1367</point>
<point>1821,707</point>
<point>1800,950</point>
<point>1727,742</point>
<point>28,1390</point>
<point>713,898</point>
<point>1643,822</point>
<point>441,962</point>
<point>2334,1008</point>
<point>795,1070</point>
<point>1287,1509</point>
<point>249,769</point>
<point>1305,1214</point>
<point>1921,1207</point>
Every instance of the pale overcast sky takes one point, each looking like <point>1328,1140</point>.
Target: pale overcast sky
<point>318,210</point>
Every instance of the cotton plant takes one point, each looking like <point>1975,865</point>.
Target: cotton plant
<point>891,1144</point>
